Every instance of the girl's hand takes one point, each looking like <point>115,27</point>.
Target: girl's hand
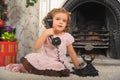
<point>41,40</point>
<point>49,32</point>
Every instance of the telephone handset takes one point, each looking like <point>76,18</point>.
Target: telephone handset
<point>55,41</point>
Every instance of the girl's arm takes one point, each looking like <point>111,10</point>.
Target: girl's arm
<point>73,56</point>
<point>41,40</point>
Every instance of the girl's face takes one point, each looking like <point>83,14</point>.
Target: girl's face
<point>59,22</point>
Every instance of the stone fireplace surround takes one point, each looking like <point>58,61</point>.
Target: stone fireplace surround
<point>105,13</point>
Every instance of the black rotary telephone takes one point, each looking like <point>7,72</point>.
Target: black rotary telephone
<point>55,41</point>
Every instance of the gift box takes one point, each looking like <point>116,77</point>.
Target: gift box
<point>8,52</point>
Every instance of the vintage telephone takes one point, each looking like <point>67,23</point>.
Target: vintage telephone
<point>55,41</point>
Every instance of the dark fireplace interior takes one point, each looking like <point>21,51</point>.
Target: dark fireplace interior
<point>90,29</point>
<point>94,26</point>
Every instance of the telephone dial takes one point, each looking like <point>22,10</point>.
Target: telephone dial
<point>55,41</point>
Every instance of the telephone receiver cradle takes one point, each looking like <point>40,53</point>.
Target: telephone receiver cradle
<point>55,41</point>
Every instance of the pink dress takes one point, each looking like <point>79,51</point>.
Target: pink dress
<point>48,58</point>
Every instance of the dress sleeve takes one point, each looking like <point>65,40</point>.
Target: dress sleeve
<point>70,39</point>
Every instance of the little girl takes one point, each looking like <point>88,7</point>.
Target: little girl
<point>52,59</point>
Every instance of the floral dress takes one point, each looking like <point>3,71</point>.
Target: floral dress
<point>50,57</point>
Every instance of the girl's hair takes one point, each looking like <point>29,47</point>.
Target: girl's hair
<point>54,12</point>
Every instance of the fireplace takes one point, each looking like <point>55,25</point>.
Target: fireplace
<point>95,25</point>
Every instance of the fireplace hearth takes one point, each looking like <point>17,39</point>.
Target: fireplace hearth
<point>95,25</point>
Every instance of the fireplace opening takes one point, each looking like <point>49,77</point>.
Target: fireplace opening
<point>90,33</point>
<point>95,26</point>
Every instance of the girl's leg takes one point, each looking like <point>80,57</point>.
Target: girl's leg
<point>9,67</point>
<point>22,69</point>
<point>15,68</point>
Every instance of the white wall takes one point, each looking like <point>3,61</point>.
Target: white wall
<point>56,3</point>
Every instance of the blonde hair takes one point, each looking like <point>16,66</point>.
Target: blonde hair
<point>54,12</point>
